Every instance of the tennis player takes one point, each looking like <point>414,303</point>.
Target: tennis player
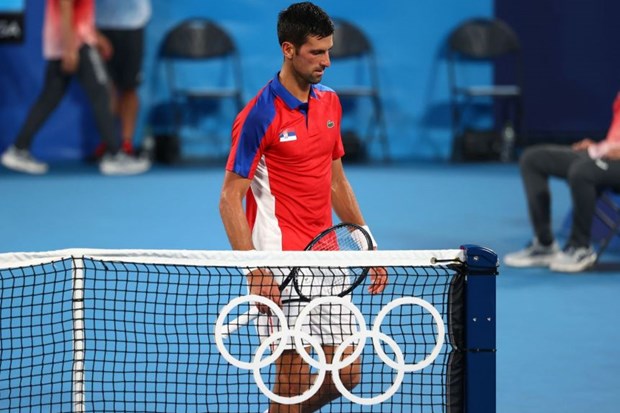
<point>285,160</point>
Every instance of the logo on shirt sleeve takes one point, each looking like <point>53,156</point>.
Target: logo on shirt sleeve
<point>287,136</point>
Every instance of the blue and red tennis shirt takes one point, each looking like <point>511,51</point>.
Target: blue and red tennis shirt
<point>286,147</point>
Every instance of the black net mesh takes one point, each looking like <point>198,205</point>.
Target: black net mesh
<point>149,340</point>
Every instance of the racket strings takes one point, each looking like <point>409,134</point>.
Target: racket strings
<point>343,238</point>
<point>320,282</point>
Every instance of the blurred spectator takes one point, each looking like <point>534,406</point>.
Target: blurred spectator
<point>588,167</point>
<point>69,46</point>
<point>121,24</point>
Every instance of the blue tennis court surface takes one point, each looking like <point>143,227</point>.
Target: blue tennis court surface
<point>557,334</point>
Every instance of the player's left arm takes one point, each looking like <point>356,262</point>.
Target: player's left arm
<point>70,56</point>
<point>613,153</point>
<point>104,46</point>
<point>346,207</point>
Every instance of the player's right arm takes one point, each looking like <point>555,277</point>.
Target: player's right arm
<point>260,280</point>
<point>231,210</point>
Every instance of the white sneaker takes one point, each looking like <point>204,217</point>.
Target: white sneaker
<point>21,160</point>
<point>534,255</point>
<point>574,260</point>
<point>123,164</point>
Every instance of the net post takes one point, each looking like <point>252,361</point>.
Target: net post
<point>480,329</point>
<point>78,389</point>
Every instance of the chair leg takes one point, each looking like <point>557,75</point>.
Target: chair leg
<point>381,127</point>
<point>177,117</point>
<point>613,223</point>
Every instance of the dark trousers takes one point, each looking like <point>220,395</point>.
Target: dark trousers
<point>93,78</point>
<point>586,178</point>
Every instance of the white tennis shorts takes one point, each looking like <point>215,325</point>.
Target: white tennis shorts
<point>330,324</point>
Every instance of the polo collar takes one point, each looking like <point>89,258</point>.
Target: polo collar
<point>291,101</point>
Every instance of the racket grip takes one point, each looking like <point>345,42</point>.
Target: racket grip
<point>240,321</point>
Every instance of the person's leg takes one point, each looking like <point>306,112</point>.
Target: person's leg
<point>94,80</point>
<point>349,375</point>
<point>335,324</point>
<point>128,107</point>
<point>54,88</point>
<point>126,67</point>
<point>293,377</point>
<point>586,179</point>
<point>18,157</point>
<point>537,164</point>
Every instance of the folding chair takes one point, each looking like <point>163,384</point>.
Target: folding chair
<point>608,212</point>
<point>353,48</point>
<point>488,41</point>
<point>202,64</point>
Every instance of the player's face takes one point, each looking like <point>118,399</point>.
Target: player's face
<point>312,58</point>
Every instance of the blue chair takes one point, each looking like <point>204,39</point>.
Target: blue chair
<point>608,214</point>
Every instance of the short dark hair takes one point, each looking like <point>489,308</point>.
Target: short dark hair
<point>301,20</point>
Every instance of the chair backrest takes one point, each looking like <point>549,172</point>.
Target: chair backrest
<point>483,38</point>
<point>356,80</point>
<point>349,41</point>
<point>197,38</point>
<point>200,58</point>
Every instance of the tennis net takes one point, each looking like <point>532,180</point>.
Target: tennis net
<point>135,331</point>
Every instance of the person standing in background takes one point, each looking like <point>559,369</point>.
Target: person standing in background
<point>69,46</point>
<point>121,24</point>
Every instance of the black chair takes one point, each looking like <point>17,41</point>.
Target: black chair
<point>202,64</point>
<point>489,41</point>
<point>355,52</point>
<point>608,213</point>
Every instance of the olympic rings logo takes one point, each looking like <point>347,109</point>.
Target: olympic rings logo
<point>359,338</point>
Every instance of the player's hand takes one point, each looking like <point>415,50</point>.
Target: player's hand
<point>582,145</point>
<point>104,46</point>
<point>378,280</point>
<point>262,283</point>
<point>70,61</point>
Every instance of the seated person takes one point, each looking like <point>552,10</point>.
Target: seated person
<point>588,167</point>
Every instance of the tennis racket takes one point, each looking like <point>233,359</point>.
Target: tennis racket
<point>311,283</point>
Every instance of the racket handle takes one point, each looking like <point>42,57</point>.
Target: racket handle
<point>240,321</point>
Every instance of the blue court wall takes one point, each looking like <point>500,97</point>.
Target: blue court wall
<point>409,38</point>
<point>571,60</point>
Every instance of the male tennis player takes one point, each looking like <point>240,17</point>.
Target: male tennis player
<point>285,160</point>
